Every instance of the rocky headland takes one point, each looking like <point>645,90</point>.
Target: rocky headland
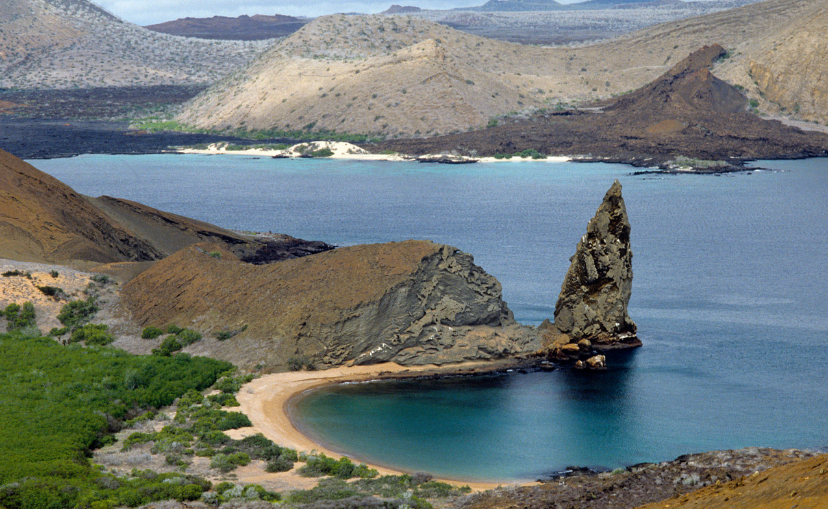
<point>277,300</point>
<point>410,302</point>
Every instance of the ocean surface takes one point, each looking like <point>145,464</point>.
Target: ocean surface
<point>729,295</point>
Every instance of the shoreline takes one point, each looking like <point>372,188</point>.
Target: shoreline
<point>267,401</point>
<point>348,151</point>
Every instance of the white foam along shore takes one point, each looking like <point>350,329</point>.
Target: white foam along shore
<point>344,150</point>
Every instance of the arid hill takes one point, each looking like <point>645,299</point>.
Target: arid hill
<point>74,43</point>
<point>410,302</point>
<point>44,220</point>
<point>243,28</point>
<point>403,76</point>
<point>686,114</point>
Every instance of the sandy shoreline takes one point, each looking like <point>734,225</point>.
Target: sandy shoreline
<point>347,151</point>
<point>266,400</point>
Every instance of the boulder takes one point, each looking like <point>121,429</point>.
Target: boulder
<point>594,295</point>
<point>597,362</point>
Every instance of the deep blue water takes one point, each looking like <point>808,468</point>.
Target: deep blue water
<point>728,295</point>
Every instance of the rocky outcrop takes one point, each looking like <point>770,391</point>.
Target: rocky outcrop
<point>596,290</point>
<point>410,302</point>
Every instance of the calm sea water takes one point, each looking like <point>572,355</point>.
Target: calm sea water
<point>728,294</point>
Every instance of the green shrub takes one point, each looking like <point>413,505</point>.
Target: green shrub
<point>167,347</point>
<point>151,332</point>
<point>52,291</point>
<point>321,465</point>
<point>228,462</point>
<point>232,384</point>
<point>92,334</point>
<point>327,489</point>
<point>279,464</point>
<point>20,317</point>
<point>173,329</point>
<point>54,273</point>
<point>223,399</point>
<point>78,312</point>
<point>187,337</point>
<point>215,438</point>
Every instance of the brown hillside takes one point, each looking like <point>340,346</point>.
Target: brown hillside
<point>410,302</point>
<point>802,485</point>
<point>402,76</point>
<point>686,113</point>
<point>44,220</point>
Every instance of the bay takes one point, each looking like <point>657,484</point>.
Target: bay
<point>728,294</point>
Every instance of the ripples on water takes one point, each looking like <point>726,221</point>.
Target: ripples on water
<point>728,295</point>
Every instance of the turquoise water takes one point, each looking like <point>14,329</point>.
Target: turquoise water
<point>728,295</point>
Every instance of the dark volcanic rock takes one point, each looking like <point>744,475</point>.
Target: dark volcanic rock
<point>243,28</point>
<point>687,117</point>
<point>596,290</point>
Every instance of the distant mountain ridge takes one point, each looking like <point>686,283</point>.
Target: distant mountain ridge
<point>74,43</point>
<point>407,77</point>
<point>242,28</point>
<point>517,5</point>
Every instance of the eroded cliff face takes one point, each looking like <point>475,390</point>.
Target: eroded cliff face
<point>410,302</point>
<point>596,290</point>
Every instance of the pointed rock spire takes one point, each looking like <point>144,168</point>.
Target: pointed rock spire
<point>594,295</point>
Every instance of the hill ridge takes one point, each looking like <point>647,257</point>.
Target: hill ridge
<point>345,73</point>
<point>74,43</point>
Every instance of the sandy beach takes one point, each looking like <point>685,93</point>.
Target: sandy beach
<point>266,400</point>
<point>343,150</point>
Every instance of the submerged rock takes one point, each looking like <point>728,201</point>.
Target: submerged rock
<point>594,295</point>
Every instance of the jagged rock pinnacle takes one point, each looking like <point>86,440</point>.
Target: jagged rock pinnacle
<point>596,290</point>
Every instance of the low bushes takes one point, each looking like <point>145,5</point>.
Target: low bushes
<point>319,465</point>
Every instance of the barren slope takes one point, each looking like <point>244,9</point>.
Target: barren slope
<point>73,43</point>
<point>402,76</point>
<point>44,220</point>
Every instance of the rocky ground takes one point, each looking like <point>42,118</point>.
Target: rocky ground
<point>639,484</point>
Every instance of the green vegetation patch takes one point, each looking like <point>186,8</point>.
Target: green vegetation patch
<point>60,402</point>
<point>19,317</point>
<point>318,465</point>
